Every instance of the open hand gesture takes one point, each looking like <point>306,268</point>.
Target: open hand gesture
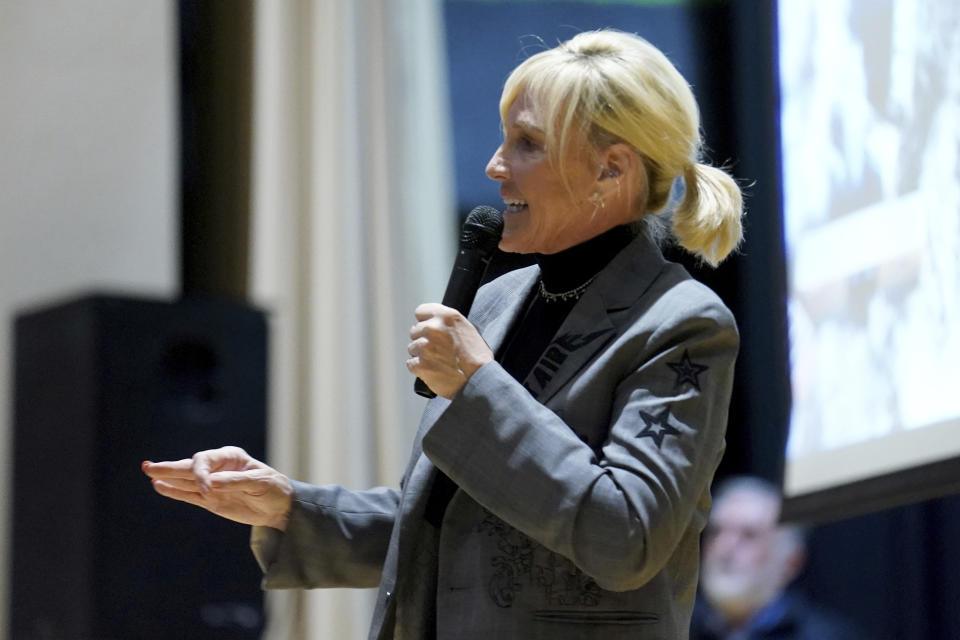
<point>227,482</point>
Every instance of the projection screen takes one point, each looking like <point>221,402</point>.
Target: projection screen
<point>870,135</point>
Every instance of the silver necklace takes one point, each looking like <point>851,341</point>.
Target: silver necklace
<point>572,294</point>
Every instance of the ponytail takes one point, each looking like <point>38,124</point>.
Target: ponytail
<point>707,221</point>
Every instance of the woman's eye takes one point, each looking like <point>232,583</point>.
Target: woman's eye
<point>527,143</point>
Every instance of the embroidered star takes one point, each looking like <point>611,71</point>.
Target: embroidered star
<point>687,371</point>
<point>657,426</point>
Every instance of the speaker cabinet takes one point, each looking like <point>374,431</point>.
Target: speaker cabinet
<point>102,383</point>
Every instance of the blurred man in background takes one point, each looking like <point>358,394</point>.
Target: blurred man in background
<point>749,559</point>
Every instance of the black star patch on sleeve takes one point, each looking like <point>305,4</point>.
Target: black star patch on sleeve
<point>657,426</point>
<point>687,371</point>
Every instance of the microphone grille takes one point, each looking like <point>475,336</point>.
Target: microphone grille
<point>482,228</point>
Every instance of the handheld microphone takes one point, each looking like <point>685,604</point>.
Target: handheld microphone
<point>479,237</point>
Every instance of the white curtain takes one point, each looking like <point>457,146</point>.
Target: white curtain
<point>353,226</point>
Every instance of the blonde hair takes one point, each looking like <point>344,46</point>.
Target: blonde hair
<point>605,87</point>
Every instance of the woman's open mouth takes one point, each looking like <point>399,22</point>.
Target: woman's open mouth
<point>515,206</point>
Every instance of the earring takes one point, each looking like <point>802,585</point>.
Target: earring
<point>609,172</point>
<point>598,200</point>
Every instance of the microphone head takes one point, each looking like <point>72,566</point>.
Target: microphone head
<point>482,229</point>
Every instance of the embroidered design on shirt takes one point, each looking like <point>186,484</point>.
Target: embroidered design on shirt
<point>687,371</point>
<point>658,426</point>
<point>522,561</point>
<point>558,351</point>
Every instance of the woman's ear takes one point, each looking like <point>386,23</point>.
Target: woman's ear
<point>618,161</point>
<point>622,178</point>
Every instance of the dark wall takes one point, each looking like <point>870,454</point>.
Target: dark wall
<point>894,571</point>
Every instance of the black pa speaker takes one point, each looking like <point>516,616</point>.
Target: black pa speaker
<point>102,383</point>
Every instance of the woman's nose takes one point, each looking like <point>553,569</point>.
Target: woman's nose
<point>496,167</point>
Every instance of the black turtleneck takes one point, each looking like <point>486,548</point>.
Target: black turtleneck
<point>567,270</point>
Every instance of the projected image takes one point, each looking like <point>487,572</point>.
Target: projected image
<point>870,124</point>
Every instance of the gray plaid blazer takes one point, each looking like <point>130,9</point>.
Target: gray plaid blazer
<point>582,490</point>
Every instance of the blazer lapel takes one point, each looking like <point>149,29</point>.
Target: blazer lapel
<point>585,331</point>
<point>590,325</point>
<point>496,318</point>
